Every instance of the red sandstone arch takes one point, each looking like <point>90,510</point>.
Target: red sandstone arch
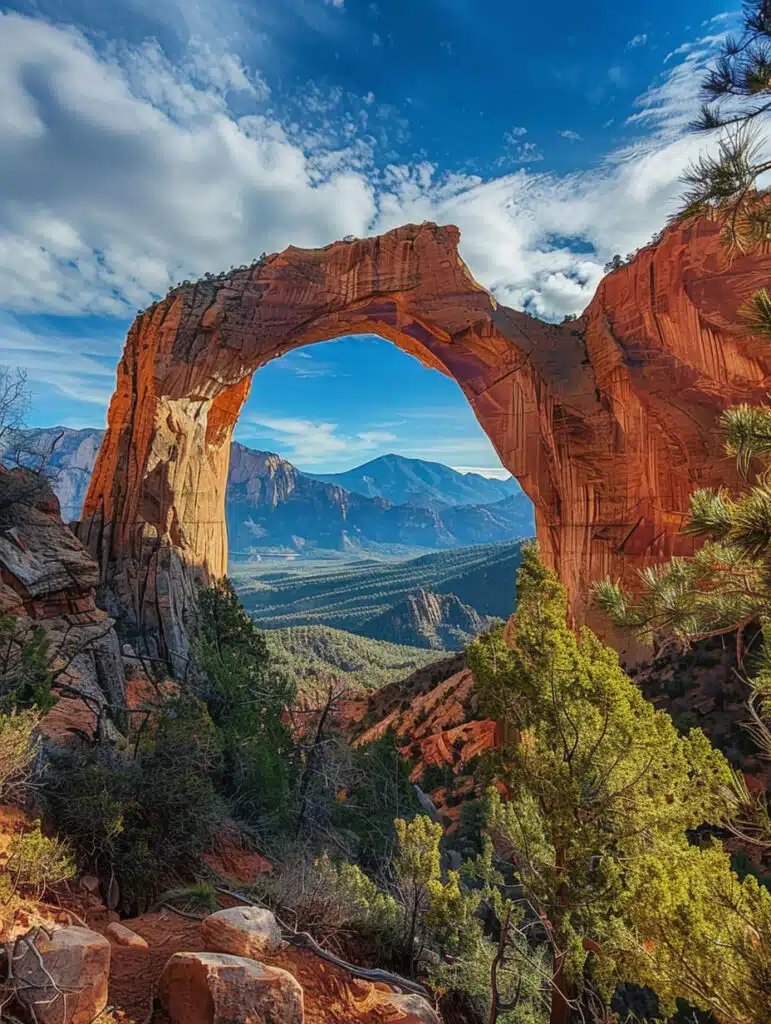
<point>607,422</point>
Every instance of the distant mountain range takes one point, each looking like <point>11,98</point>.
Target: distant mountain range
<point>415,482</point>
<point>271,504</point>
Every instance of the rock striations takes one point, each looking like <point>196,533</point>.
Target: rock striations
<point>608,422</point>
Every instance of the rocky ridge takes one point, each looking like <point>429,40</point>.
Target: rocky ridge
<point>426,619</point>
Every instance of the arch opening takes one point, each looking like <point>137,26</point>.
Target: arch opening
<point>354,413</point>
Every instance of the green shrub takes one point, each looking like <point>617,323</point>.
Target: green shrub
<point>34,863</point>
<point>146,820</point>
<point>336,903</point>
<point>18,748</point>
<point>379,790</point>
<point>25,675</point>
<point>247,701</point>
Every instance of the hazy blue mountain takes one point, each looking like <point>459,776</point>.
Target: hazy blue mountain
<point>271,503</point>
<point>68,456</point>
<point>412,481</point>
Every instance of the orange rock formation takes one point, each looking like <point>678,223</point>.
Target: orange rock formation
<point>607,422</point>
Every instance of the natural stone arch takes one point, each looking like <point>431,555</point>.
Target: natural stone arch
<point>607,422</point>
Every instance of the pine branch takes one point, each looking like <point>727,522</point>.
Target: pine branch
<point>756,313</point>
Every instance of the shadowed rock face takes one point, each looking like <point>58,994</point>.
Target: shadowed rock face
<point>608,422</point>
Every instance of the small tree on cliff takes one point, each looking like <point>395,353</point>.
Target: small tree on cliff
<point>601,792</point>
<point>247,701</point>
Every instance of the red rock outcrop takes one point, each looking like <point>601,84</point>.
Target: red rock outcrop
<point>48,580</point>
<point>607,422</point>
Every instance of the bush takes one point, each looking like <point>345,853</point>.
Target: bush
<point>338,904</point>
<point>25,676</point>
<point>379,790</point>
<point>247,702</point>
<point>144,822</point>
<point>34,863</point>
<point>18,749</point>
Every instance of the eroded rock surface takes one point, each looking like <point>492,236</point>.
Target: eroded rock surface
<point>214,988</point>
<point>243,931</point>
<point>48,579</point>
<point>66,981</point>
<point>607,422</point>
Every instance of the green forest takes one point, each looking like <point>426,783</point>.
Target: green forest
<point>481,576</point>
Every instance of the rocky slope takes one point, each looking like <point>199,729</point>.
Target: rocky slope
<point>405,481</point>
<point>427,619</point>
<point>608,422</point>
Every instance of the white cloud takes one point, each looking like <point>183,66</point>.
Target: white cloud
<point>72,366</point>
<point>120,175</point>
<point>568,134</point>
<point>638,40</point>
<point>304,365</point>
<point>310,443</point>
<point>121,172</point>
<point>376,436</point>
<point>492,472</point>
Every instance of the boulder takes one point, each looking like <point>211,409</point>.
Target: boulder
<point>67,984</point>
<point>123,936</point>
<point>417,1009</point>
<point>214,988</point>
<point>243,931</point>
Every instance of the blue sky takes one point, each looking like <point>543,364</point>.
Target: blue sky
<point>145,141</point>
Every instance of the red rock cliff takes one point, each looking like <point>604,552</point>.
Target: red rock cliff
<point>607,422</point>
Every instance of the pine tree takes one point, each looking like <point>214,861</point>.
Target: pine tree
<point>737,94</point>
<point>723,589</point>
<point>600,795</point>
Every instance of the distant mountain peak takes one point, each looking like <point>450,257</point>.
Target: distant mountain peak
<point>407,481</point>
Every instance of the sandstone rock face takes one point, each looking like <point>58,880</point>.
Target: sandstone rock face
<point>48,580</point>
<point>243,931</point>
<point>213,988</point>
<point>78,961</point>
<point>608,422</point>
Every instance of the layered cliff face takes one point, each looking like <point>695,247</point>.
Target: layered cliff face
<point>608,423</point>
<point>48,580</point>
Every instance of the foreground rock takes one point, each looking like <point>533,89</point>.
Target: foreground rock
<point>214,988</point>
<point>123,936</point>
<point>66,981</point>
<point>242,931</point>
<point>417,1010</point>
